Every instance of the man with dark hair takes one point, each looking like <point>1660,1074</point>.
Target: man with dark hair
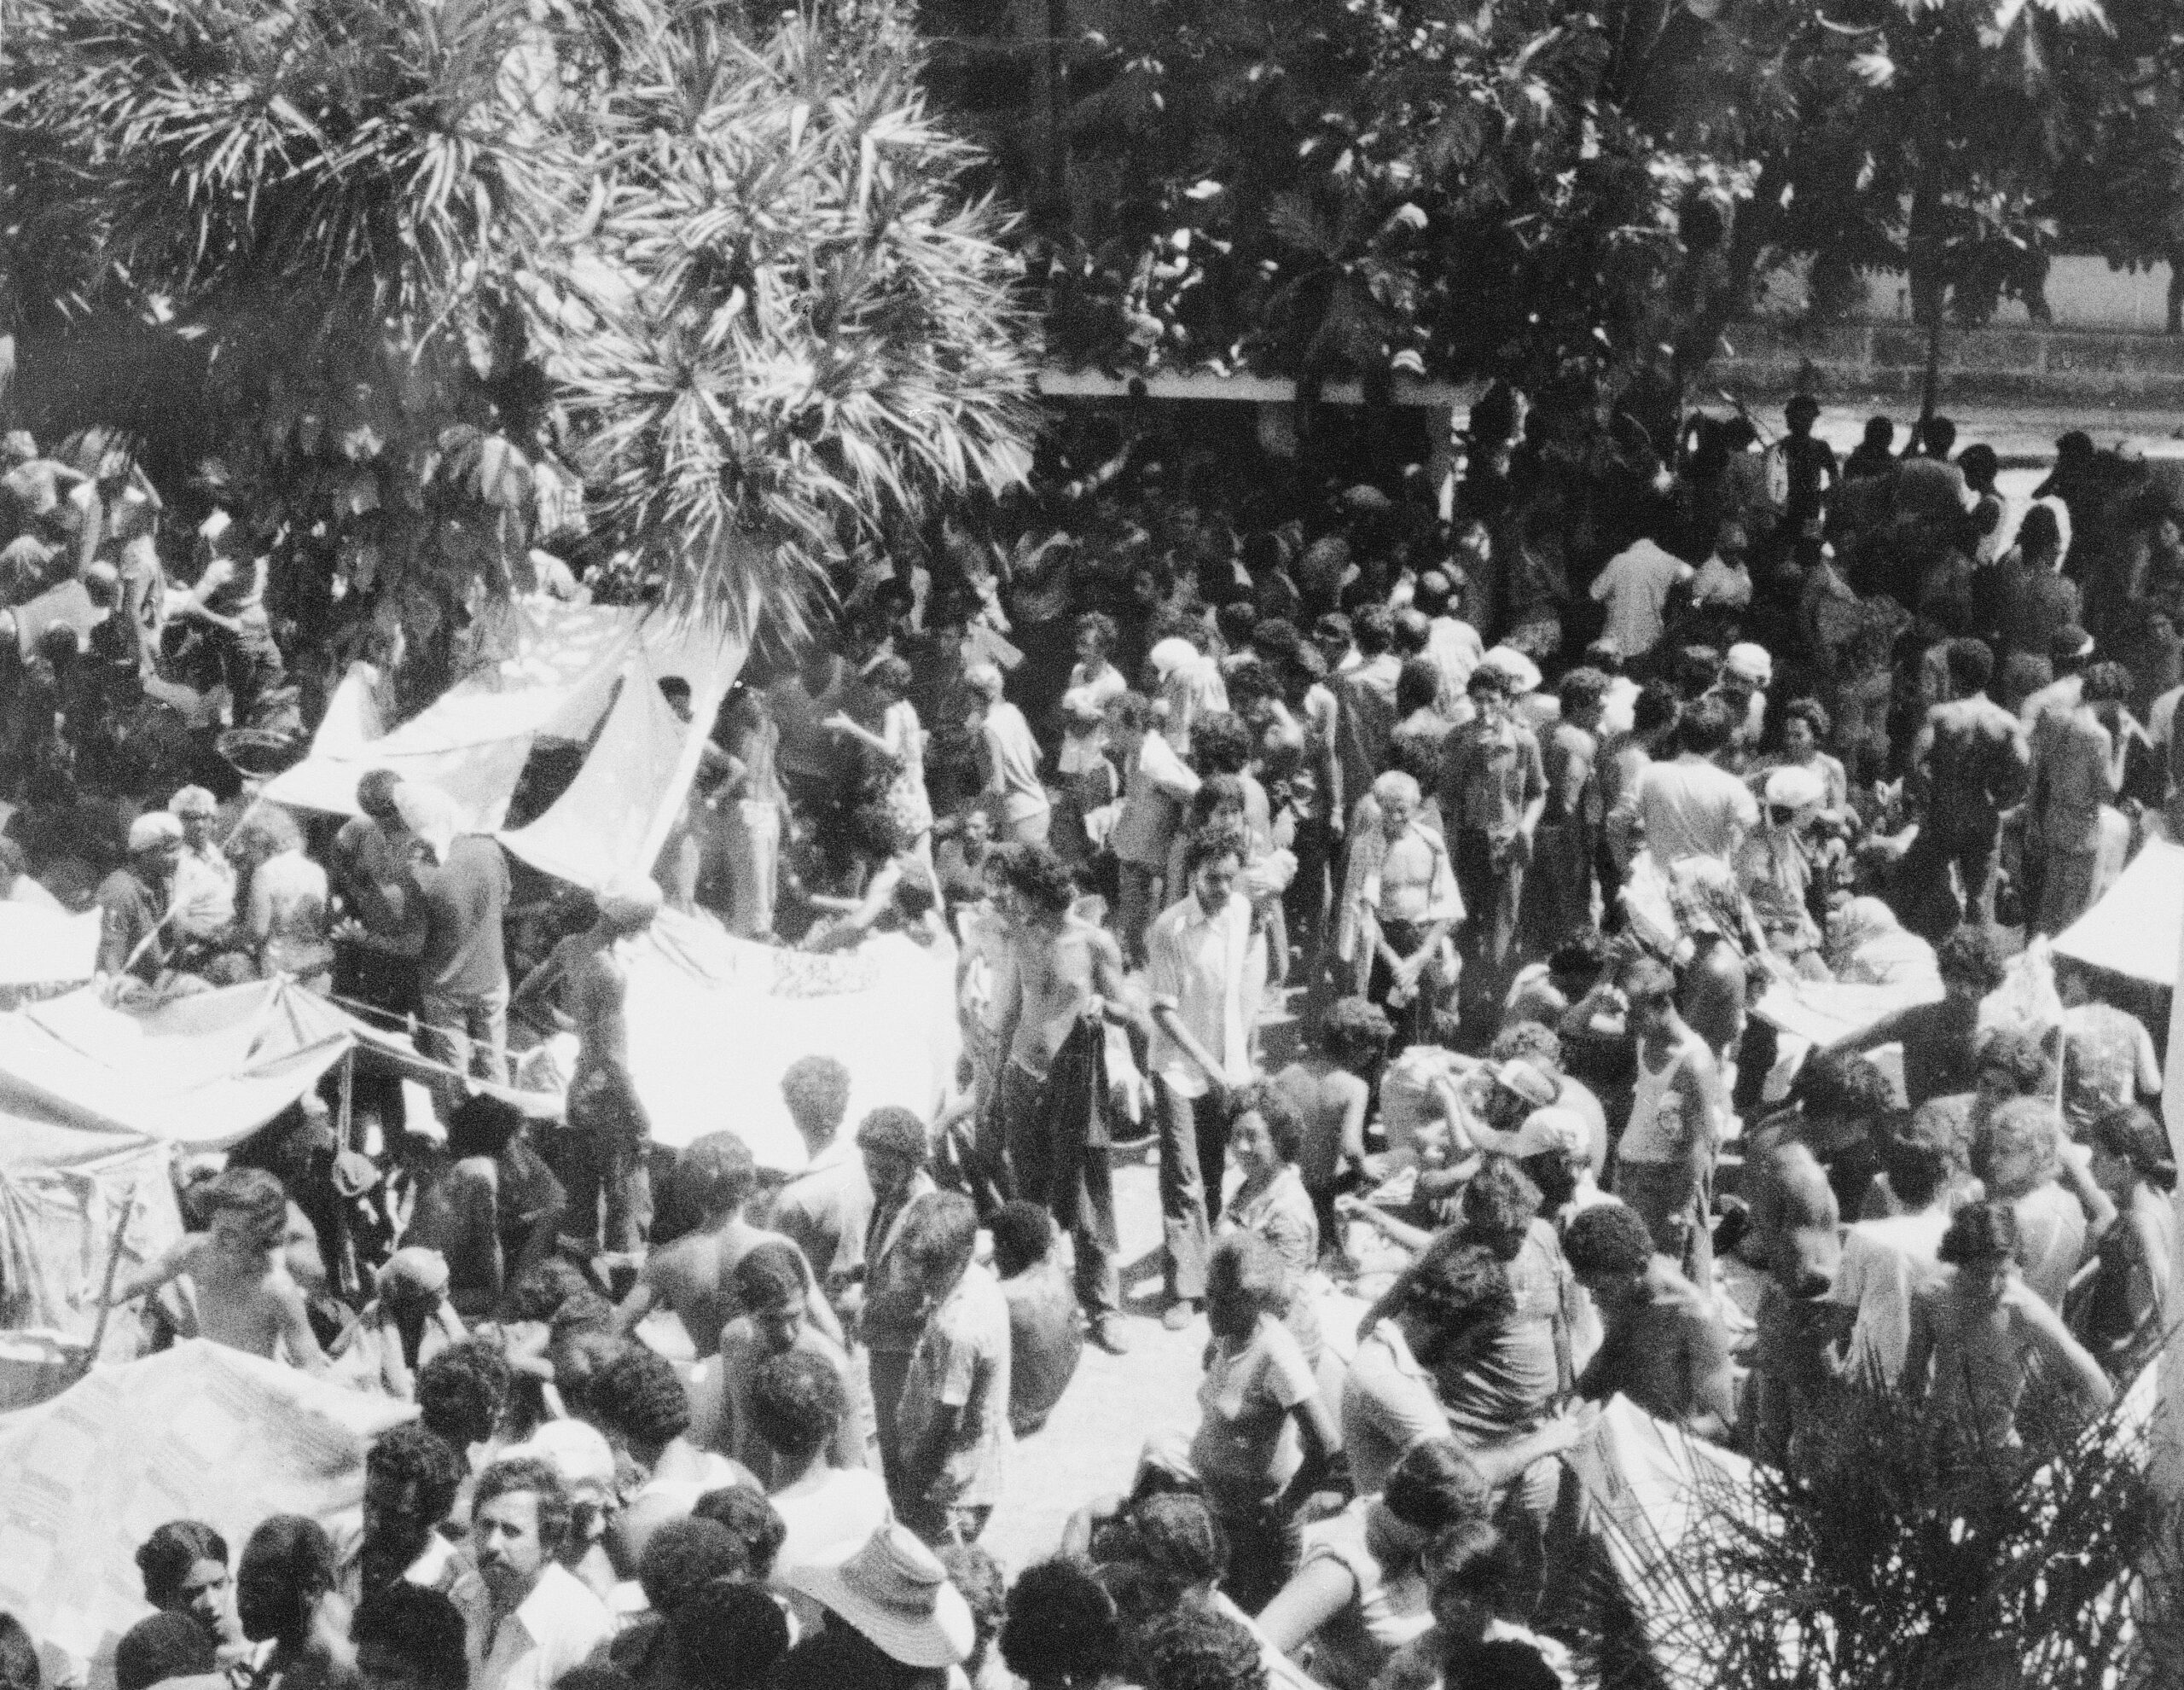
<point>1970,759</point>
<point>695,1275</point>
<point>1941,1040</point>
<point>1663,1346</point>
<point>769,1288</point>
<point>2077,772</point>
<point>1566,843</point>
<point>1691,807</point>
<point>1365,698</point>
<point>953,1419</point>
<point>410,1638</point>
<point>462,1394</point>
<point>411,1476</point>
<point>1045,1344</point>
<point>1197,956</point>
<point>282,1583</point>
<point>1061,1628</point>
<point>1889,1256</point>
<point>1493,791</point>
<point>1066,982</point>
<point>729,1636</point>
<point>823,1210</point>
<point>543,1620</point>
<point>1197,1648</point>
<point>1810,471</point>
<point>639,1402</point>
<point>799,1407</point>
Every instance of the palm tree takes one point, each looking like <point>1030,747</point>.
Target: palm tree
<point>791,324</point>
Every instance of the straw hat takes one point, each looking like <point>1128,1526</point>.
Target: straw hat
<point>895,1593</point>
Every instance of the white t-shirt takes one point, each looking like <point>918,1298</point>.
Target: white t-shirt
<point>1635,586</point>
<point>1690,808</point>
<point>827,1513</point>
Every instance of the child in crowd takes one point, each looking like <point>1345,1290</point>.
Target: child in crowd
<point>1044,1340</point>
<point>953,1418</point>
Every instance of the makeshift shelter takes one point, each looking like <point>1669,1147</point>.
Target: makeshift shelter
<point>94,1102</point>
<point>586,675</point>
<point>199,1432</point>
<point>2135,928</point>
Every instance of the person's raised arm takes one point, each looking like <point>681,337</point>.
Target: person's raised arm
<point>545,977</point>
<point>2052,1340</point>
<point>642,1298</point>
<point>169,1264</point>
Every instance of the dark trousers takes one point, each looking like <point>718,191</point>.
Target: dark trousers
<point>1194,1151</point>
<point>1971,843</point>
<point>1045,1128</point>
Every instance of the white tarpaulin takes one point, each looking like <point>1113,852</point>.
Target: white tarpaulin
<point>553,673</point>
<point>203,1072</point>
<point>715,1022</point>
<point>40,946</point>
<point>197,1432</point>
<point>2135,927</point>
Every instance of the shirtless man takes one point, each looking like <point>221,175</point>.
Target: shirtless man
<point>1977,1330</point>
<point>245,1297</point>
<point>695,1275</point>
<point>609,1130</point>
<point>1408,902</point>
<point>1970,758</point>
<point>1066,980</point>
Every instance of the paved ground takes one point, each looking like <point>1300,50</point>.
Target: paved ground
<point>1090,1445</point>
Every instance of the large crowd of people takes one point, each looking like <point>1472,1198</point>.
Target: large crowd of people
<point>1402,871</point>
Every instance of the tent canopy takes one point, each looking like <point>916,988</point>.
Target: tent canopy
<point>2134,929</point>
<point>203,1073</point>
<point>587,674</point>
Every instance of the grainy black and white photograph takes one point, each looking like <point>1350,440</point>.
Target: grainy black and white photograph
<point>1091,845</point>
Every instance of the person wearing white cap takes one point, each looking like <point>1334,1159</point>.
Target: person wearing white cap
<point>1021,811</point>
<point>1775,863</point>
<point>609,1132</point>
<point>1554,1145</point>
<point>889,1602</point>
<point>401,1329</point>
<point>133,940</point>
<point>1746,673</point>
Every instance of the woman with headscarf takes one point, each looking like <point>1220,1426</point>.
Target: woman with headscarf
<point>1189,684</point>
<point>1775,865</point>
<point>1867,946</point>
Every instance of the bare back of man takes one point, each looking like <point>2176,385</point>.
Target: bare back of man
<point>695,1278</point>
<point>594,997</point>
<point>250,1303</point>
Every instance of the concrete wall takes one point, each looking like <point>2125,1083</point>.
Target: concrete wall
<point>2001,365</point>
<point>2082,293</point>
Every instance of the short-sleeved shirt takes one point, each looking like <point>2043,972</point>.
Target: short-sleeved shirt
<point>1195,963</point>
<point>1045,1344</point>
<point>825,1210</point>
<point>1490,773</point>
<point>1391,1607</point>
<point>1389,1407</point>
<point>130,911</point>
<point>735,1374</point>
<point>1243,1400</point>
<point>961,1361</point>
<point>204,893</point>
<point>1013,755</point>
<point>1635,586</point>
<point>464,899</point>
<point>1690,808</point>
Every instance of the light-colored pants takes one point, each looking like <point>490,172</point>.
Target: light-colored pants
<point>754,841</point>
<point>467,1034</point>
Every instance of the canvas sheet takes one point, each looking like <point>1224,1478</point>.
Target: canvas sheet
<point>547,669</point>
<point>65,1198</point>
<point>197,1432</point>
<point>1651,1486</point>
<point>41,946</point>
<point>2135,928</point>
<point>202,1072</point>
<point>715,1022</point>
<point>1824,1011</point>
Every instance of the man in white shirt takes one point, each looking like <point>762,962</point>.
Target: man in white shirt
<point>543,1621</point>
<point>1690,807</point>
<point>1196,954</point>
<point>1017,798</point>
<point>203,894</point>
<point>1452,644</point>
<point>1634,587</point>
